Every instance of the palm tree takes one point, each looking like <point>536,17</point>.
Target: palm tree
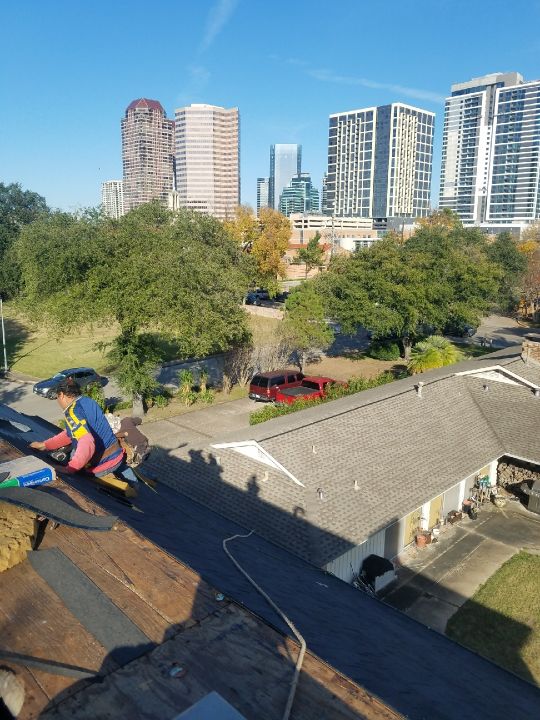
<point>433,352</point>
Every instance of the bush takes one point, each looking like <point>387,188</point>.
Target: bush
<point>161,401</point>
<point>120,405</point>
<point>95,391</point>
<point>384,350</point>
<point>206,396</point>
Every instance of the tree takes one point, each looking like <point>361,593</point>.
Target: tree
<point>18,208</point>
<point>304,325</point>
<point>504,251</point>
<point>445,219</point>
<point>270,246</point>
<point>394,289</point>
<point>152,271</point>
<point>244,228</point>
<point>433,352</point>
<point>312,255</point>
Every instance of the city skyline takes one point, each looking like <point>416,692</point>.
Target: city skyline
<point>67,153</point>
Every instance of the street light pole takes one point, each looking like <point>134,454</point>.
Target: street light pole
<point>3,335</point>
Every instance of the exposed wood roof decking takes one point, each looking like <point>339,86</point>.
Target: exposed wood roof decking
<point>220,645</point>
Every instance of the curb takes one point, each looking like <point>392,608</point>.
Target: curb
<point>10,377</point>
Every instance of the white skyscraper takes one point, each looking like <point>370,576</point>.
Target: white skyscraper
<point>112,198</point>
<point>379,162</point>
<point>208,159</point>
<point>262,193</point>
<point>468,144</point>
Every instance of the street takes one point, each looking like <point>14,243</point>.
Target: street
<point>502,331</point>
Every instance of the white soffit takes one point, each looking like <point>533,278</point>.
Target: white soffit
<point>497,373</point>
<point>252,450</point>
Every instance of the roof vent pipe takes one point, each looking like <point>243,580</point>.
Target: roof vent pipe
<point>418,388</point>
<point>537,392</point>
<point>320,493</point>
<point>356,486</point>
<point>486,387</point>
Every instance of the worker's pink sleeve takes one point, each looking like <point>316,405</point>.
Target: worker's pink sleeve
<point>86,447</point>
<point>58,441</point>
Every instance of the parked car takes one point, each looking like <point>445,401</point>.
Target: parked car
<point>310,388</point>
<point>82,376</point>
<point>256,297</point>
<point>263,386</point>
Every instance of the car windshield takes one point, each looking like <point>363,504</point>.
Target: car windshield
<point>58,376</point>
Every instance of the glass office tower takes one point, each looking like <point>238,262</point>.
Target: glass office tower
<point>285,162</point>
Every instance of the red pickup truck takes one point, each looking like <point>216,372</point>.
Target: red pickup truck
<point>310,388</point>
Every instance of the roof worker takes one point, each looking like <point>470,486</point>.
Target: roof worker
<point>94,447</point>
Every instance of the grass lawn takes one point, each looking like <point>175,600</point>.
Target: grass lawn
<point>502,620</point>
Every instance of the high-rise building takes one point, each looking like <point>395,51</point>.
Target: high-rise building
<point>285,162</point>
<point>468,144</point>
<point>514,182</point>
<point>325,210</point>
<point>147,153</point>
<point>112,198</point>
<point>208,159</point>
<point>379,162</point>
<point>263,186</point>
<point>299,196</point>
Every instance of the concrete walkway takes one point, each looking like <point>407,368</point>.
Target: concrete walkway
<point>200,426</point>
<point>435,581</point>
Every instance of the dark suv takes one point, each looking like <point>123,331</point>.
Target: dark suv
<point>263,386</point>
<point>82,376</point>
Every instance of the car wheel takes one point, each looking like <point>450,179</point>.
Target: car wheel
<point>52,395</point>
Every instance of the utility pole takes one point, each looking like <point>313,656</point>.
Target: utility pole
<point>3,335</point>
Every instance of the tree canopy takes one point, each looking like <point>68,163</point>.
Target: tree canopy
<point>304,324</point>
<point>312,254</point>
<point>265,238</point>
<point>18,208</point>
<point>439,275</point>
<point>152,270</point>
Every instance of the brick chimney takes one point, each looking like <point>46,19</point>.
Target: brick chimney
<point>530,348</point>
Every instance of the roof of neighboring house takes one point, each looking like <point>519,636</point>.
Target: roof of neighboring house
<point>410,667</point>
<point>345,469</point>
<point>114,604</point>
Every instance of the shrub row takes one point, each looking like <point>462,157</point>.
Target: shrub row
<point>354,385</point>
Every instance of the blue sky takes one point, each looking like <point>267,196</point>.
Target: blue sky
<point>69,69</point>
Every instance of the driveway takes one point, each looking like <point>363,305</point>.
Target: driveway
<point>502,331</point>
<point>433,582</point>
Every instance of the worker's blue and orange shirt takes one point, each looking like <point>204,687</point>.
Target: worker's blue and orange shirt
<point>94,445</point>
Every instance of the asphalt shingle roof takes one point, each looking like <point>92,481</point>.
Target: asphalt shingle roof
<point>369,459</point>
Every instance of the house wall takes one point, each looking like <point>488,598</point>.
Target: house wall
<point>390,541</point>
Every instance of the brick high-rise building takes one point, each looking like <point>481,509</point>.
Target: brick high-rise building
<point>147,153</point>
<point>208,159</point>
